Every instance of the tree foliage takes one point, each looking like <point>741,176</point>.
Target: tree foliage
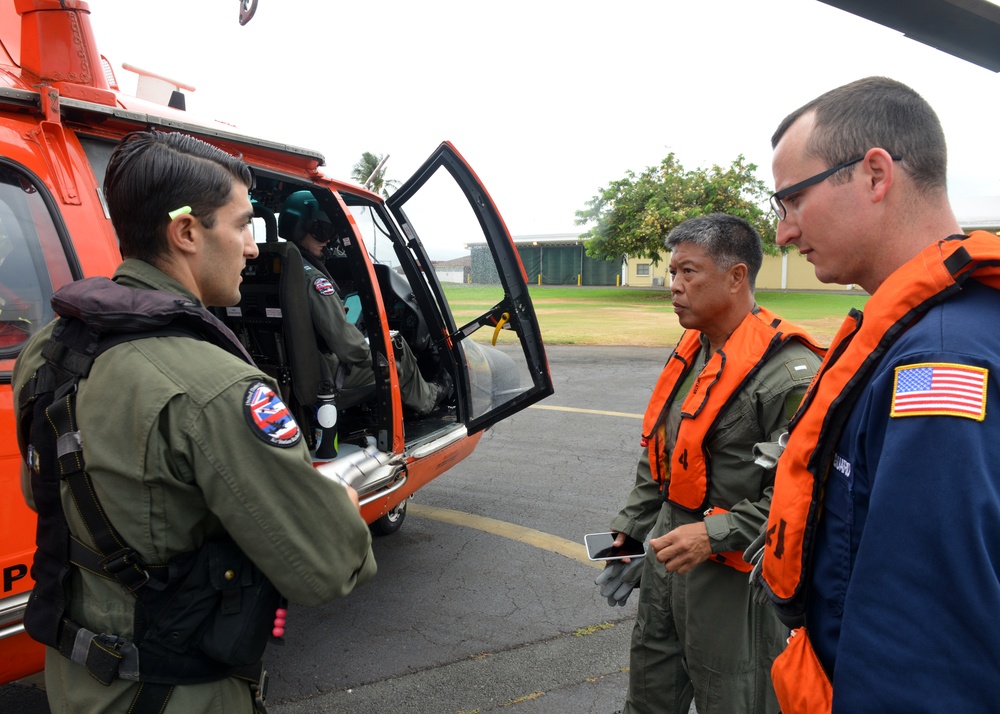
<point>633,215</point>
<point>364,168</point>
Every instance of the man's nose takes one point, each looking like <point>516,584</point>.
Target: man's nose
<point>250,249</point>
<point>786,232</point>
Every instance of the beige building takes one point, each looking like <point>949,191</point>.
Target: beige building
<point>779,272</point>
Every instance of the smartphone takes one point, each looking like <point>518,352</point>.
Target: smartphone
<point>601,546</point>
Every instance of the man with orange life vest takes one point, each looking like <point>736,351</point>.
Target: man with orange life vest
<point>881,546</point>
<point>733,381</point>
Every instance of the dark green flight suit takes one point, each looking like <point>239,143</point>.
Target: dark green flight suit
<point>700,634</point>
<point>348,346</point>
<point>177,459</point>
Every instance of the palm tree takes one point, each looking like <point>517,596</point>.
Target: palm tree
<point>369,172</point>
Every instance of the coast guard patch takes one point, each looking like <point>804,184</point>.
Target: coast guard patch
<point>940,389</point>
<point>269,418</point>
<point>323,286</point>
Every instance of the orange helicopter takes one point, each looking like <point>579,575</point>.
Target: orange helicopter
<point>61,115</point>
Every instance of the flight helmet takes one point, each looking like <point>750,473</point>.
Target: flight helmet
<point>302,214</point>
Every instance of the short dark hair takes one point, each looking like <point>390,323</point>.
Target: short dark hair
<point>876,112</point>
<point>151,173</point>
<point>727,239</point>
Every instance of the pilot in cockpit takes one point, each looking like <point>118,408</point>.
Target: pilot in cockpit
<point>345,350</point>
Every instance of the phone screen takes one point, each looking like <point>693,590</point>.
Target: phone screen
<point>601,546</point>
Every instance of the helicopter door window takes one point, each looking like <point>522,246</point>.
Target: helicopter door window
<point>27,236</point>
<point>448,229</point>
<point>376,236</point>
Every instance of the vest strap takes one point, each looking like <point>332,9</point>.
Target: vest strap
<point>151,698</point>
<point>109,657</point>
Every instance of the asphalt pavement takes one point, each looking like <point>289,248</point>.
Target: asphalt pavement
<point>461,619</point>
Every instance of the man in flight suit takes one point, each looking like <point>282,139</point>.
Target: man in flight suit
<point>186,443</point>
<point>304,223</point>
<point>733,381</point>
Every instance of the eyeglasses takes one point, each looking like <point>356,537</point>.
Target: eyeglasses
<point>779,208</point>
<point>776,198</point>
<point>321,231</point>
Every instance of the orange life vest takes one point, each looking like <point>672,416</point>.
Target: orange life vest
<point>800,682</point>
<point>749,347</point>
<point>933,276</point>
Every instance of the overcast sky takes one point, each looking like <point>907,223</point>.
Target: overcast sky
<point>548,100</point>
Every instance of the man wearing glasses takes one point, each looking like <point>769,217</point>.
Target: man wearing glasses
<point>307,225</point>
<point>881,544</point>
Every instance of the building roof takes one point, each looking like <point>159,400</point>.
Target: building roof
<point>543,239</point>
<point>549,238</point>
<point>977,212</point>
<point>463,262</point>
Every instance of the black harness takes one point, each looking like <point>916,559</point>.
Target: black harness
<point>203,616</point>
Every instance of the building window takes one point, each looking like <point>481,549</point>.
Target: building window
<point>642,269</point>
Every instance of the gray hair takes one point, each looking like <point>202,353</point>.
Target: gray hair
<point>727,239</point>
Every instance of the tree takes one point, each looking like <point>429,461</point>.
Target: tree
<point>366,167</point>
<point>633,215</point>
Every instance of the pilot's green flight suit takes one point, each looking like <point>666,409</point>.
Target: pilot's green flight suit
<point>178,459</point>
<point>700,634</point>
<point>346,345</point>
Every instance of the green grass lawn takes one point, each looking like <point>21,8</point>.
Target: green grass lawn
<point>641,317</point>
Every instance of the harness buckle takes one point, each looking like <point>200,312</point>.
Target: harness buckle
<point>111,642</point>
<point>101,654</point>
<point>127,568</point>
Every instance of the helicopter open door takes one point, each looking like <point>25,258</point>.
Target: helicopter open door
<point>457,237</point>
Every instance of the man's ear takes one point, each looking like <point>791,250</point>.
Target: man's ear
<point>879,172</point>
<point>183,233</point>
<point>738,276</point>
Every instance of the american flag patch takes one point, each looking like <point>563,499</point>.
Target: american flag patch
<point>940,389</point>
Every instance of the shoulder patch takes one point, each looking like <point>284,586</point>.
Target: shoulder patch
<point>268,417</point>
<point>323,286</point>
<point>799,370</point>
<point>940,389</point>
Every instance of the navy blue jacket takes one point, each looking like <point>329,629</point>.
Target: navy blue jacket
<point>904,611</point>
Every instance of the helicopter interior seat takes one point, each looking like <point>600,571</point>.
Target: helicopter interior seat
<point>299,322</point>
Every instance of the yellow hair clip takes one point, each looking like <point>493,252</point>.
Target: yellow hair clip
<point>179,212</point>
